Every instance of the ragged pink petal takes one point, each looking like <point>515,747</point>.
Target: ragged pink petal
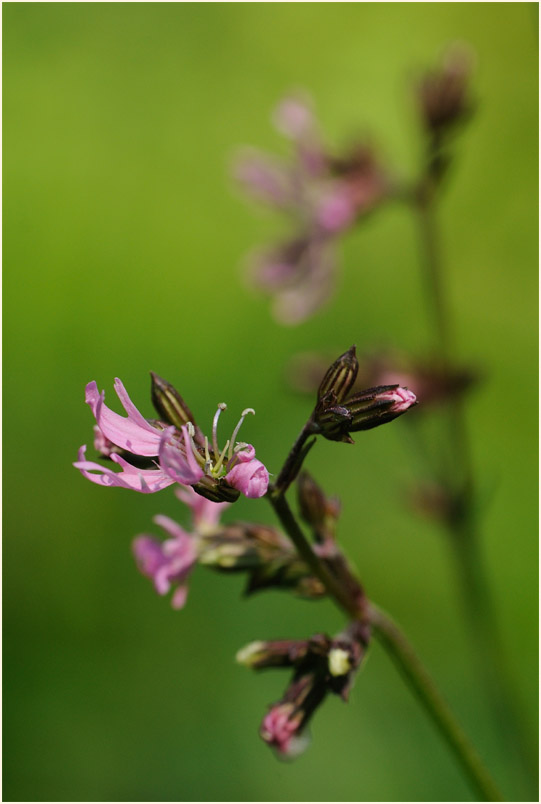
<point>264,178</point>
<point>168,563</point>
<point>205,513</point>
<point>335,210</point>
<point>178,601</point>
<point>148,554</point>
<point>294,117</point>
<point>179,464</point>
<point>173,529</point>
<point>246,453</point>
<point>133,432</point>
<point>146,481</point>
<point>102,444</point>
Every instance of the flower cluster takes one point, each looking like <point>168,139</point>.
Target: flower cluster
<point>169,563</point>
<point>434,384</point>
<point>263,553</point>
<point>321,666</point>
<point>153,454</point>
<point>323,194</point>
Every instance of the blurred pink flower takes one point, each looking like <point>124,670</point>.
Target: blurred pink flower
<point>323,194</point>
<point>280,729</point>
<point>168,564</point>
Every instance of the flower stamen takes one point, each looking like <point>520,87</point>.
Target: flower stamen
<point>220,460</point>
<point>195,451</point>
<point>244,413</point>
<point>221,406</point>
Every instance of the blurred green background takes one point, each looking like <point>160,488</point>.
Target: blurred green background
<point>122,246</point>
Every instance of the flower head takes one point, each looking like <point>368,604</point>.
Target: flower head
<point>443,93</point>
<point>323,194</point>
<point>321,666</point>
<point>167,563</point>
<point>155,454</point>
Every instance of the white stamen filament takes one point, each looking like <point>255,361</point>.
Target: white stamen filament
<point>221,406</point>
<point>191,433</point>
<point>220,460</point>
<point>237,428</point>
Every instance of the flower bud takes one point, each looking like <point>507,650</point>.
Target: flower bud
<point>281,729</point>
<point>264,553</point>
<point>169,403</point>
<point>443,93</point>
<point>364,411</point>
<point>316,509</point>
<point>379,405</point>
<point>277,653</point>
<point>338,380</point>
<point>283,726</point>
<point>322,666</point>
<point>287,572</point>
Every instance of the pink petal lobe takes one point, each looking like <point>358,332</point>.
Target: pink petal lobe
<point>182,468</point>
<point>133,432</point>
<point>251,478</point>
<point>146,481</point>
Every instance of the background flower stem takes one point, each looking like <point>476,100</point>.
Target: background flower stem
<point>396,644</point>
<point>462,528</point>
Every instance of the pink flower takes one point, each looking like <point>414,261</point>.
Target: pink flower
<point>132,433</point>
<point>205,513</point>
<point>294,117</point>
<point>324,195</point>
<point>336,210</point>
<point>174,451</point>
<point>280,729</point>
<point>179,463</point>
<point>249,475</point>
<point>168,563</point>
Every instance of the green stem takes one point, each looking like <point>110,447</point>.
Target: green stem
<point>291,527</point>
<point>459,480</point>
<point>293,462</point>
<point>438,710</point>
<point>399,648</point>
<point>433,273</point>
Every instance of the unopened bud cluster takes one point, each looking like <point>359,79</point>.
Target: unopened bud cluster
<point>321,666</point>
<point>337,413</point>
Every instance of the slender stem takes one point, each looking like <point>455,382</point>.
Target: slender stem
<point>402,653</point>
<point>438,710</point>
<point>293,462</point>
<point>291,526</point>
<point>386,630</point>
<point>433,273</point>
<point>460,483</point>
